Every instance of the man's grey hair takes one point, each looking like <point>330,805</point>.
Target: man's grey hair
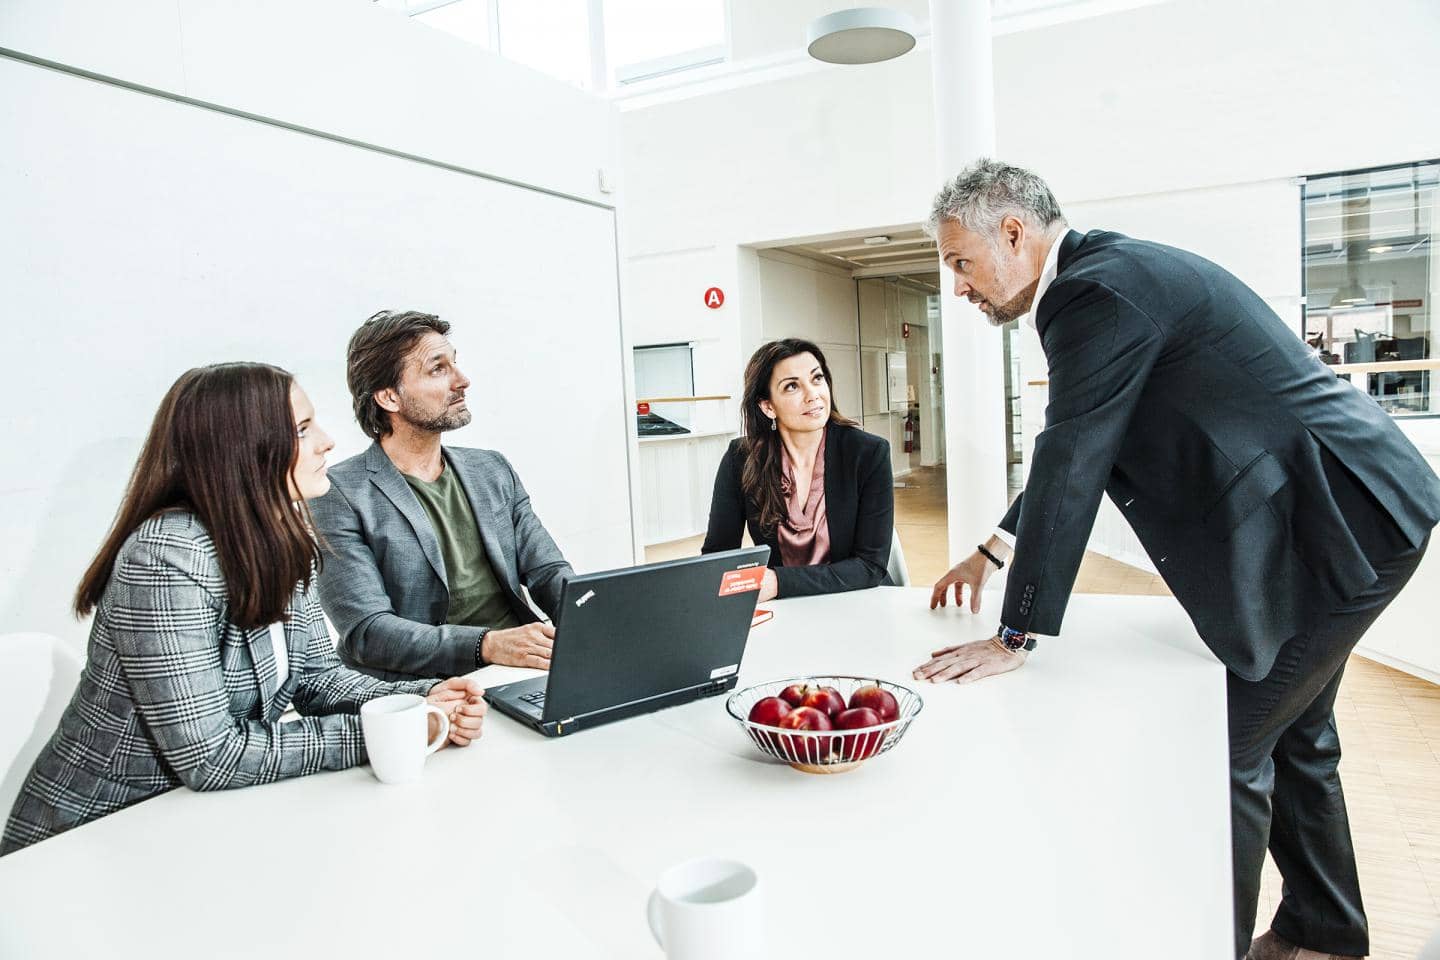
<point>987,192</point>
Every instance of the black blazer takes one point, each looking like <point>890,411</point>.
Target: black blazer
<point>859,510</point>
<point>1262,486</point>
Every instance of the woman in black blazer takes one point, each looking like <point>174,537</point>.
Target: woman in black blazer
<point>804,480</point>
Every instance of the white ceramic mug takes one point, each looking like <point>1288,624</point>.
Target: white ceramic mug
<point>394,728</point>
<point>708,909</point>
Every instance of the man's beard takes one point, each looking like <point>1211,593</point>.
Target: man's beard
<point>1015,308</point>
<point>452,418</point>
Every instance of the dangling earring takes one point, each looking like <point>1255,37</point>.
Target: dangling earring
<point>772,424</point>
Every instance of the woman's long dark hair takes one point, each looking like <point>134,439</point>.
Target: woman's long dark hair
<point>760,476</point>
<point>223,446</point>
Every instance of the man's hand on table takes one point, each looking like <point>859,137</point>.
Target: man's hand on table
<point>971,572</point>
<point>966,662</point>
<point>463,700</point>
<point>528,645</point>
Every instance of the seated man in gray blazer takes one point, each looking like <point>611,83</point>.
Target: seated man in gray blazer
<point>426,547</point>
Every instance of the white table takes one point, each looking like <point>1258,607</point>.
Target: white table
<point>1075,808</point>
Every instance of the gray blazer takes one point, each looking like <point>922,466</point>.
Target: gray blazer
<point>174,693</point>
<point>383,580</point>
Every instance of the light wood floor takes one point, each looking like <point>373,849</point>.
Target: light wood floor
<point>1389,724</point>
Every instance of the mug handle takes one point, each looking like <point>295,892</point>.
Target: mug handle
<point>444,729</point>
<point>652,913</point>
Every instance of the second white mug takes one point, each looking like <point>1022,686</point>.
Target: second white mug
<point>708,909</point>
<point>395,728</point>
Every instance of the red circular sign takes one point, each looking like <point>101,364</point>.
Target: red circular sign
<point>714,298</point>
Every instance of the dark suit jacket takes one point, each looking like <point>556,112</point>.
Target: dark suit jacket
<point>383,580</point>
<point>1263,487</point>
<point>859,507</point>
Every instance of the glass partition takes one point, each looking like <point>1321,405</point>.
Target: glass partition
<point>1370,275</point>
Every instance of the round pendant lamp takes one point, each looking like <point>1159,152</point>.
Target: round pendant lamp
<point>861,35</point>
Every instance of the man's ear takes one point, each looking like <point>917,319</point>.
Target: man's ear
<point>1012,232</point>
<point>387,399</point>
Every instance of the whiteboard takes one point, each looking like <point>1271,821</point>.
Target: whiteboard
<point>142,236</point>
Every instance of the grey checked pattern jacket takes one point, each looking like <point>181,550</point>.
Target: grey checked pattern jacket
<point>173,693</point>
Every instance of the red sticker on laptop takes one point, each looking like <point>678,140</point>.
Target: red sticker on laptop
<point>741,581</point>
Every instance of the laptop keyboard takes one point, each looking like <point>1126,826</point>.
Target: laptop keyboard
<point>535,699</point>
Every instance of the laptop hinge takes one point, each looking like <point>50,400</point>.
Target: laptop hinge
<point>707,689</point>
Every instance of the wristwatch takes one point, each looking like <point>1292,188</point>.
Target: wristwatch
<point>1015,640</point>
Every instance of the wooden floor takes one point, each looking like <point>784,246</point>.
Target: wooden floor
<point>1389,725</point>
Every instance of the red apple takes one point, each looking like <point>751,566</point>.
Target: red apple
<point>827,700</point>
<point>876,698</point>
<point>858,746</point>
<point>795,694</point>
<point>803,749</point>
<point>769,711</point>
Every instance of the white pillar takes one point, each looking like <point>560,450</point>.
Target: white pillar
<point>973,375</point>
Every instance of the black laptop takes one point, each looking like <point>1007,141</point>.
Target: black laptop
<point>636,640</point>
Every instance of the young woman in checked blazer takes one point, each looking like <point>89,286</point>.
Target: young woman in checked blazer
<point>206,625</point>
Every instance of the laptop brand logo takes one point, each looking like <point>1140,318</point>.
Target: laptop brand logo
<point>588,595</point>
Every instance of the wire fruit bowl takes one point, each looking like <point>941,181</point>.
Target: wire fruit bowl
<point>824,751</point>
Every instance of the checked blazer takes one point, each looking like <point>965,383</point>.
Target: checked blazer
<point>174,693</point>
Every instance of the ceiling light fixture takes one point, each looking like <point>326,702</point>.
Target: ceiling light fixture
<point>875,241</point>
<point>860,35</point>
<point>1384,248</point>
<point>1349,294</point>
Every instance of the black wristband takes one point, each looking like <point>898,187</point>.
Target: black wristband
<point>999,564</point>
<point>480,645</point>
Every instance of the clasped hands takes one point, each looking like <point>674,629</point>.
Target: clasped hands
<point>463,701</point>
<point>968,662</point>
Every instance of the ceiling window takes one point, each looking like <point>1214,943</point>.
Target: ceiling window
<point>651,38</point>
<point>596,45</point>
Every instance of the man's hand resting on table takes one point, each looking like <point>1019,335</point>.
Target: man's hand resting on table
<point>528,645</point>
<point>971,572</point>
<point>463,700</point>
<point>970,661</point>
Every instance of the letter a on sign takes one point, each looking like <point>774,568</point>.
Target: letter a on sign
<point>714,298</point>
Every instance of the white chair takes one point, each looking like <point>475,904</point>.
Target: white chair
<point>1431,950</point>
<point>899,573</point>
<point>38,675</point>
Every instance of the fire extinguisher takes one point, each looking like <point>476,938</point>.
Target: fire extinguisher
<point>909,432</point>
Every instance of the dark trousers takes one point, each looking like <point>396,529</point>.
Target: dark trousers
<point>1285,784</point>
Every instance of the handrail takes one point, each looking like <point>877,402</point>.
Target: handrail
<point>1377,366</point>
<point>1386,366</point>
<point>724,396</point>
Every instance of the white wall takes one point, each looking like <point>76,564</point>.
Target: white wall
<point>1187,119</point>
<point>349,68</point>
<point>146,234</point>
<point>812,301</point>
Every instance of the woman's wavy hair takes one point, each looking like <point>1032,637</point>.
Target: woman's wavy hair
<point>760,476</point>
<point>223,446</point>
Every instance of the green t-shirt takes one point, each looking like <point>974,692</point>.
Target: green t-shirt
<point>476,597</point>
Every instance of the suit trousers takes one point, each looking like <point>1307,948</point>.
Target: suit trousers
<point>1285,783</point>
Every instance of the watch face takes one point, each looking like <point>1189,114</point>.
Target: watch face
<point>1013,639</point>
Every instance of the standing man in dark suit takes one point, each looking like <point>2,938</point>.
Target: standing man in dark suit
<point>426,547</point>
<point>1283,508</point>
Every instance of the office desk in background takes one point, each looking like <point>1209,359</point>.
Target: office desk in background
<point>1077,808</point>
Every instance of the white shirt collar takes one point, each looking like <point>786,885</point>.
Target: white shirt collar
<point>1047,277</point>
